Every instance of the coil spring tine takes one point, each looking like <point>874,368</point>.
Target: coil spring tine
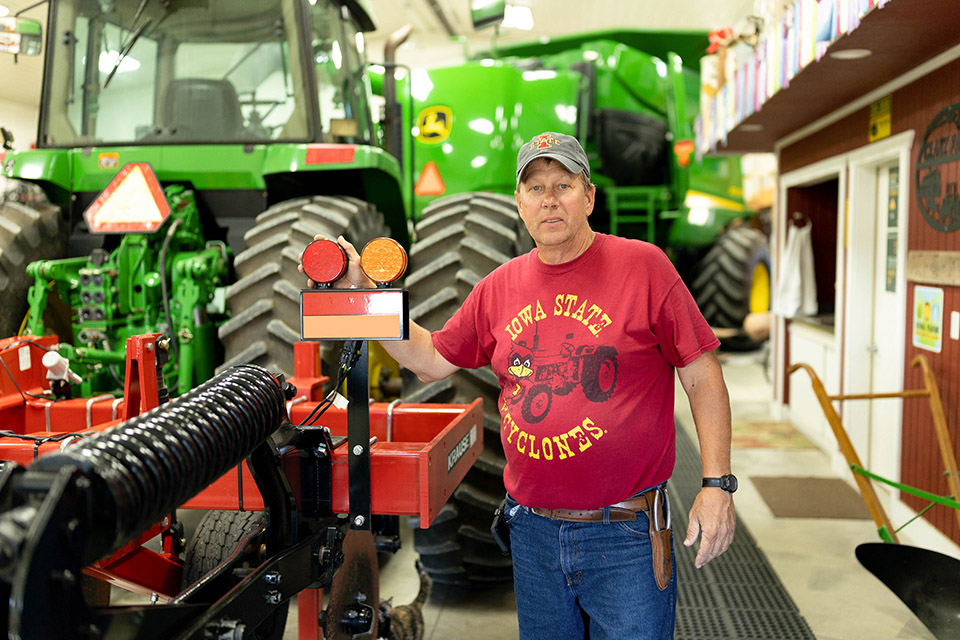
<point>207,425</point>
<point>153,463</point>
<point>160,447</point>
<point>218,406</point>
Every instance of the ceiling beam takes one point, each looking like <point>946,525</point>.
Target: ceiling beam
<point>441,15</point>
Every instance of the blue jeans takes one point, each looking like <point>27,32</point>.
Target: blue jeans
<point>570,577</point>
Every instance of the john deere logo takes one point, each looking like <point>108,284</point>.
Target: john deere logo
<point>939,203</point>
<point>434,124</point>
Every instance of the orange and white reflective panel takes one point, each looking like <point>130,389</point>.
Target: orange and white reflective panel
<point>354,314</point>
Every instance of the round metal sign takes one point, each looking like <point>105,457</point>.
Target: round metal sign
<point>936,177</point>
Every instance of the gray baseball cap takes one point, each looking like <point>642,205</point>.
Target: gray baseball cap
<point>563,148</point>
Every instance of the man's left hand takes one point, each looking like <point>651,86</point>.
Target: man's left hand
<point>713,518</point>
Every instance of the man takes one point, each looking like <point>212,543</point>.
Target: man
<point>584,334</point>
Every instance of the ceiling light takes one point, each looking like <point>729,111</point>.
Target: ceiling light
<point>850,54</point>
<point>4,11</point>
<point>516,16</point>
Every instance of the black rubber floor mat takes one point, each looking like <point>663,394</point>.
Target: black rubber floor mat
<point>736,596</point>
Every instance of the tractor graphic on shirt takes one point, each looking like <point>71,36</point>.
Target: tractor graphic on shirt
<point>539,374</point>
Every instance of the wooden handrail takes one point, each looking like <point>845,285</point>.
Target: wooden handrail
<point>940,427</point>
<point>916,393</point>
<point>850,454</point>
<point>931,391</point>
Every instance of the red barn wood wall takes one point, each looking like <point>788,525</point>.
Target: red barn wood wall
<point>914,107</point>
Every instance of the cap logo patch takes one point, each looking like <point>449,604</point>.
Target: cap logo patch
<point>544,141</point>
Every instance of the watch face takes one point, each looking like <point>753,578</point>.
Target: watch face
<point>729,483</point>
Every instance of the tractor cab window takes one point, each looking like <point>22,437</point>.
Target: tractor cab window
<point>343,86</point>
<point>174,72</point>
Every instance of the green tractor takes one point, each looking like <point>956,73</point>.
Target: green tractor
<point>254,120</point>
<point>631,102</point>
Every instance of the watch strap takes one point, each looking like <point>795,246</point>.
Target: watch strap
<point>726,482</point>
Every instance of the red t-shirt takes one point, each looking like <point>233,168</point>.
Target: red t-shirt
<point>585,353</point>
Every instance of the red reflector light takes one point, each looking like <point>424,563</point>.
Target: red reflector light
<point>383,260</point>
<point>330,154</point>
<point>324,261</point>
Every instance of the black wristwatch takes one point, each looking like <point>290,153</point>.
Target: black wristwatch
<point>728,482</point>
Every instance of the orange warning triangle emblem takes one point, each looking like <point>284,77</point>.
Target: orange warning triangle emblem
<point>430,182</point>
<point>133,202</point>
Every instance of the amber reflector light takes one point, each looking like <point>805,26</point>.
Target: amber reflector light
<point>324,261</point>
<point>383,260</point>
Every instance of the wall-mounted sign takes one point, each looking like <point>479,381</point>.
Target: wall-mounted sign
<point>928,318</point>
<point>880,112</point>
<point>893,197</point>
<point>939,151</point>
<point>891,261</point>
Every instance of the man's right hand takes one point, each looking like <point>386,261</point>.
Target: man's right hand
<point>354,277</point>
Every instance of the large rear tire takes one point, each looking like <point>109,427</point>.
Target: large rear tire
<point>264,302</point>
<point>733,281</point>
<point>460,239</point>
<point>28,232</point>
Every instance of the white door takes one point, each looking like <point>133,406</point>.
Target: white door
<point>886,347</point>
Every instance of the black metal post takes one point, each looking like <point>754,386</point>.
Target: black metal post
<point>358,439</point>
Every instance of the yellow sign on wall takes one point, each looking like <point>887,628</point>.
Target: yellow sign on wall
<point>880,118</point>
<point>928,318</point>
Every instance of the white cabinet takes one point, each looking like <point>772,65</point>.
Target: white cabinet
<point>815,345</point>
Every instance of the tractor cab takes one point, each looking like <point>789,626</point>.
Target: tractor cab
<point>172,72</point>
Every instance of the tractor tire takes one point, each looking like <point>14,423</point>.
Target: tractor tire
<point>536,404</point>
<point>599,376</point>
<point>28,232</point>
<point>216,537</point>
<point>461,239</point>
<point>264,302</point>
<point>729,282</point>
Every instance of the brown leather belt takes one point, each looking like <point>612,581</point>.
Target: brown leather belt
<point>620,512</point>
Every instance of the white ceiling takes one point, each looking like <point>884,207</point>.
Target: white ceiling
<point>430,44</point>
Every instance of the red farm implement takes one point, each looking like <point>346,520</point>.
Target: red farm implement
<point>89,482</point>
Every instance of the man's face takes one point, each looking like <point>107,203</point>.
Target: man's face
<point>554,207</point>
